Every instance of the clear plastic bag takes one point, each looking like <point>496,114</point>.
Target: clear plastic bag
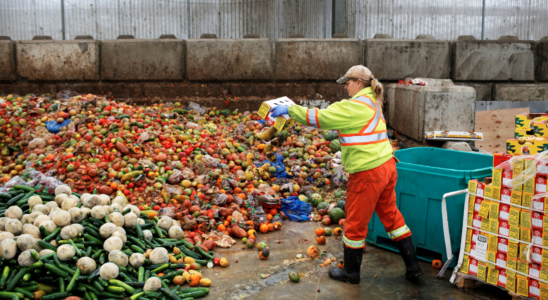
<point>173,190</point>
<point>192,125</point>
<point>167,211</point>
<point>188,173</point>
<point>237,216</point>
<point>17,180</point>
<point>37,143</point>
<point>143,138</point>
<point>210,161</point>
<point>220,200</point>
<point>197,108</point>
<point>258,216</point>
<point>339,177</point>
<point>175,177</point>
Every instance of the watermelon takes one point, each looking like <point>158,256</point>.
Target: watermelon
<point>303,198</point>
<point>335,146</point>
<point>338,194</point>
<point>336,214</point>
<point>331,136</point>
<point>225,112</point>
<point>322,205</point>
<point>315,199</point>
<point>341,204</point>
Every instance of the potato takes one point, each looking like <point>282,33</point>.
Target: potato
<point>65,252</point>
<point>14,226</point>
<point>98,212</point>
<point>134,209</point>
<point>109,271</point>
<point>93,201</point>
<point>147,234</point>
<point>63,189</point>
<point>6,235</point>
<point>69,232</point>
<point>130,220</point>
<point>152,284</point>
<point>85,211</point>
<point>60,199</point>
<point>118,257</point>
<point>62,218</point>
<point>136,260</point>
<point>68,204</point>
<point>122,236</point>
<point>49,225</point>
<point>113,243</point>
<point>25,242</point>
<point>42,208</point>
<point>33,216</point>
<point>140,221</point>
<point>121,230</point>
<point>3,223</point>
<point>116,218</point>
<point>120,201</point>
<point>75,198</point>
<point>14,212</point>
<point>107,229</point>
<point>9,248</point>
<point>51,205</point>
<point>159,256</point>
<point>165,222</point>
<point>25,258</point>
<point>79,227</point>
<point>38,221</point>
<point>115,207</point>
<point>25,219</point>
<point>105,199</point>
<point>76,215</point>
<point>46,252</point>
<point>175,232</point>
<point>32,230</point>
<point>86,265</point>
<point>34,200</point>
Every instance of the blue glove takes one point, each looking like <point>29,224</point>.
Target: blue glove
<point>279,110</point>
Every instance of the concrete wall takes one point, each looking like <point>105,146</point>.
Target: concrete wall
<point>521,92</point>
<point>316,59</point>
<point>7,61</point>
<point>48,60</point>
<point>493,60</point>
<point>414,110</point>
<point>216,60</point>
<point>542,59</point>
<point>391,59</point>
<point>161,59</point>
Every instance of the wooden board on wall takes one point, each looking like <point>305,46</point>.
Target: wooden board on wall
<point>497,127</point>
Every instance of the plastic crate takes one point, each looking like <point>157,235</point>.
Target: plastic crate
<point>424,176</point>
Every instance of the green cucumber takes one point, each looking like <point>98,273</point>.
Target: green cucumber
<point>122,285</point>
<point>4,278</point>
<point>73,280</point>
<point>56,270</point>
<point>53,235</point>
<point>27,294</point>
<point>47,245</point>
<point>160,268</point>
<point>169,294</point>
<point>139,232</point>
<point>140,277</point>
<point>55,296</point>
<point>203,253</point>
<point>11,295</point>
<point>16,279</point>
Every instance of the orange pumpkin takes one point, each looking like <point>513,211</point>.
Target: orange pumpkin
<point>194,280</point>
<point>264,228</point>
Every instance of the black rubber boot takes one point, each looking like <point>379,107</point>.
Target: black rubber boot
<point>407,251</point>
<point>351,271</point>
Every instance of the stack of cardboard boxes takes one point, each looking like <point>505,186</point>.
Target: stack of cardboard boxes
<point>531,135</point>
<point>507,229</point>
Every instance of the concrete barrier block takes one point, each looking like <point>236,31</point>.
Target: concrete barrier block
<point>391,59</point>
<point>542,59</point>
<point>483,90</point>
<point>521,92</point>
<point>49,60</point>
<point>132,59</point>
<point>7,60</point>
<point>414,110</point>
<point>229,59</point>
<point>316,59</point>
<point>493,60</point>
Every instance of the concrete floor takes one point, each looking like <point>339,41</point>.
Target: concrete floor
<point>380,273</point>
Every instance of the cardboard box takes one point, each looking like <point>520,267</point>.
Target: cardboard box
<point>282,122</point>
<point>514,148</point>
<point>502,245</point>
<point>540,146</point>
<point>477,205</point>
<point>537,220</point>
<point>507,176</point>
<point>473,267</point>
<point>537,237</point>
<point>540,129</point>
<point>526,199</point>
<point>499,158</point>
<point>504,212</point>
<point>477,221</point>
<point>542,166</point>
<point>506,195</point>
<point>510,282</point>
<point>524,132</point>
<point>453,135</point>
<point>544,290</point>
<point>536,255</point>
<point>501,260</point>
<point>534,270</point>
<point>534,289</point>
<point>504,229</point>
<point>482,271</point>
<point>540,184</point>
<point>502,278</point>
<point>527,120</point>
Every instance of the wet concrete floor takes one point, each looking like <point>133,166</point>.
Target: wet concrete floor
<point>380,273</point>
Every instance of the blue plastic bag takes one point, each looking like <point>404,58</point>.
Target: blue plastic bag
<point>295,209</point>
<point>55,127</point>
<point>280,167</point>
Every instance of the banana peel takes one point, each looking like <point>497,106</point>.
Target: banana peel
<point>267,135</point>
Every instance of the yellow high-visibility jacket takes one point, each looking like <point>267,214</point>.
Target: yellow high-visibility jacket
<point>361,125</point>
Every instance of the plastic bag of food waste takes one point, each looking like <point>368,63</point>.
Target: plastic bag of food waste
<point>143,138</point>
<point>173,190</point>
<point>37,143</point>
<point>167,211</point>
<point>17,180</point>
<point>55,127</point>
<point>188,173</point>
<point>258,216</point>
<point>295,209</point>
<point>222,240</point>
<point>339,177</point>
<point>50,183</point>
<point>197,108</point>
<point>210,161</point>
<point>175,177</point>
<point>189,224</point>
<point>280,167</point>
<point>238,200</point>
<point>220,200</point>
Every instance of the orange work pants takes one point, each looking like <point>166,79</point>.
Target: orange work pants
<point>373,191</point>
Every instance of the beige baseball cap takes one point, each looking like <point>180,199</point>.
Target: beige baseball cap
<point>356,72</point>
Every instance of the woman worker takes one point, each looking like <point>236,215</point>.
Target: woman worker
<point>367,156</point>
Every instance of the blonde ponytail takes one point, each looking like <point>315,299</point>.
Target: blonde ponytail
<point>377,88</point>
